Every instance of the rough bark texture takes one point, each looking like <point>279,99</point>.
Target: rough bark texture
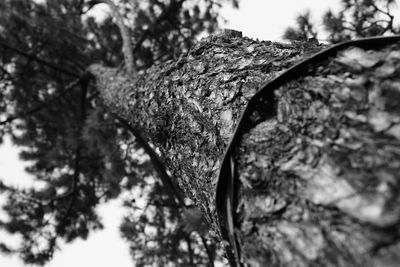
<point>188,108</point>
<point>319,183</point>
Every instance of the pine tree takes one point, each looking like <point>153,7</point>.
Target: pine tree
<point>354,19</point>
<point>310,179</point>
<point>81,152</point>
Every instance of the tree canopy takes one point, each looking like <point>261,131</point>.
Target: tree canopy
<point>82,155</point>
<point>354,19</point>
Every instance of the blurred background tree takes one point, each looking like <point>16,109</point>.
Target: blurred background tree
<point>355,19</point>
<point>81,155</point>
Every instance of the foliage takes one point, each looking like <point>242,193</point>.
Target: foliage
<point>305,29</point>
<point>355,19</point>
<point>81,155</point>
<point>157,234</point>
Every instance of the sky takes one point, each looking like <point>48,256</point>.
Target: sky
<point>267,19</point>
<point>258,19</point>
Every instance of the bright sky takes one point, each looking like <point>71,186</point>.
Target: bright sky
<point>267,19</point>
<point>262,19</point>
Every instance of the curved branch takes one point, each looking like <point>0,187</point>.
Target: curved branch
<point>127,43</point>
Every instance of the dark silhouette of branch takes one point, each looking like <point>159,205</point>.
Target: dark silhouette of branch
<point>157,162</point>
<point>164,15</point>
<point>127,43</point>
<point>39,60</point>
<point>389,26</point>
<point>128,49</point>
<point>190,249</point>
<point>44,104</point>
<point>208,250</point>
<point>77,167</point>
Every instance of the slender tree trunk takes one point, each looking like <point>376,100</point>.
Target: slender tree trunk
<point>319,181</point>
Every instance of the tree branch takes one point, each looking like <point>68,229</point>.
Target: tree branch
<point>77,170</point>
<point>160,18</point>
<point>39,60</point>
<point>44,104</point>
<point>208,250</point>
<point>157,162</point>
<point>190,249</point>
<point>127,43</point>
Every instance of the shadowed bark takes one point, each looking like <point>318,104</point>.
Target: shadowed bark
<point>319,181</point>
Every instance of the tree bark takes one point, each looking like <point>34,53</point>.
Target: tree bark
<point>319,181</point>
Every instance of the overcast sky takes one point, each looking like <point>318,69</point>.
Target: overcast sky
<point>262,19</point>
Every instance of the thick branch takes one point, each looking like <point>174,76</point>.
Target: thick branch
<point>127,43</point>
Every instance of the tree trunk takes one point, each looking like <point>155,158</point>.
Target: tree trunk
<point>319,181</point>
